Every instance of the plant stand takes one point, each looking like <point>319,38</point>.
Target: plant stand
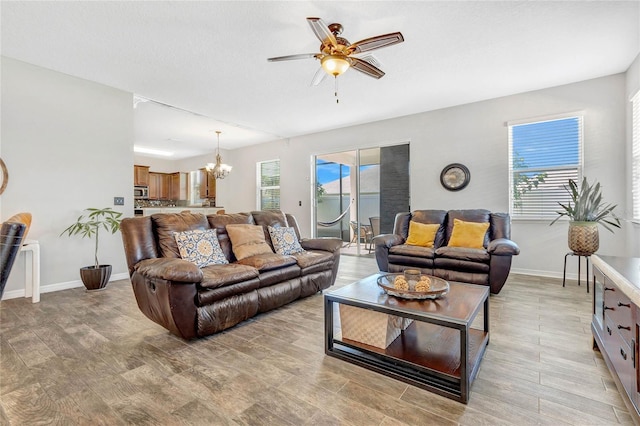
<point>564,273</point>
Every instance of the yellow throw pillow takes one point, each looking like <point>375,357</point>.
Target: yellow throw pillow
<point>422,234</point>
<point>247,240</point>
<point>468,234</point>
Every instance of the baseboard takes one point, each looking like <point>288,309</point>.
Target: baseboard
<point>545,274</point>
<point>14,294</point>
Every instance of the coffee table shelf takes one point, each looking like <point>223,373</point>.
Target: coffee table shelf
<point>439,351</point>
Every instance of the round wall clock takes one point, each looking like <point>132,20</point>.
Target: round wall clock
<point>4,176</point>
<point>455,177</point>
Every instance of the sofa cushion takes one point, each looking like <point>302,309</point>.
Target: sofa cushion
<point>200,247</point>
<point>166,224</point>
<point>247,240</point>
<point>443,263</point>
<point>267,261</point>
<point>284,240</point>
<point>413,251</point>
<point>469,215</point>
<point>219,222</point>
<point>214,276</point>
<point>462,253</point>
<point>312,258</point>
<point>207,296</point>
<point>422,234</point>
<point>468,234</point>
<point>273,218</point>
<point>278,275</point>
<point>430,216</point>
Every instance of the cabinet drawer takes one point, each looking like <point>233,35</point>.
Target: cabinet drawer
<point>622,357</point>
<point>617,307</point>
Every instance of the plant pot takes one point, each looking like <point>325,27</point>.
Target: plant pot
<point>95,278</point>
<point>584,239</point>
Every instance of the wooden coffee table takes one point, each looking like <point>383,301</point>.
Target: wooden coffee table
<point>439,351</point>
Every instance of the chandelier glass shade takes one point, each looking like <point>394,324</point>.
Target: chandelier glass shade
<point>335,64</point>
<point>219,170</point>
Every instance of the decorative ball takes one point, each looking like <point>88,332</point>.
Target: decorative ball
<point>424,284</point>
<point>400,283</point>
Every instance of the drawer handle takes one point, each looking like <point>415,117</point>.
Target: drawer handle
<point>623,327</point>
<point>609,330</point>
<point>628,305</point>
<point>623,353</point>
<point>609,289</point>
<point>612,309</point>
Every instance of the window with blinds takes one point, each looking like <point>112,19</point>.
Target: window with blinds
<point>543,156</point>
<point>635,156</point>
<point>269,185</point>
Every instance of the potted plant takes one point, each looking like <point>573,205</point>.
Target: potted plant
<point>586,210</point>
<point>97,276</point>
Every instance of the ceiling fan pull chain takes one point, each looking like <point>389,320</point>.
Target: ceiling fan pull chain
<point>336,89</point>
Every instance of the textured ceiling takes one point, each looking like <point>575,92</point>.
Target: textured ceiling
<point>210,58</point>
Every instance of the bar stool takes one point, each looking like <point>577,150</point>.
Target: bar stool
<point>564,274</point>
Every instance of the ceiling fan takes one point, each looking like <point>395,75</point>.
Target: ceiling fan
<point>337,55</point>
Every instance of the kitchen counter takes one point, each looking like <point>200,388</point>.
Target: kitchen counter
<point>147,211</point>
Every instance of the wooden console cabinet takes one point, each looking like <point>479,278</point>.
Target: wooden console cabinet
<point>616,323</point>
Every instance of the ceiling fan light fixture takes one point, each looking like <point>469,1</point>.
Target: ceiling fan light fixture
<point>219,170</point>
<point>335,64</point>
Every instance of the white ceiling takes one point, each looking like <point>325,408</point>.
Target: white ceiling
<point>211,58</point>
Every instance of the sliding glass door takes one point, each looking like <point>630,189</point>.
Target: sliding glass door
<point>350,193</point>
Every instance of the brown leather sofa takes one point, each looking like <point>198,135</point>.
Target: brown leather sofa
<point>487,266</point>
<point>194,302</point>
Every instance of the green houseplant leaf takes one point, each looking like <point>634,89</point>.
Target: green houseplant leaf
<point>89,224</point>
<point>586,205</point>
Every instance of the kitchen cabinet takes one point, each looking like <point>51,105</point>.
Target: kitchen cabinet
<point>616,323</point>
<point>167,186</point>
<point>159,186</point>
<point>141,175</point>
<point>207,185</point>
<point>178,186</point>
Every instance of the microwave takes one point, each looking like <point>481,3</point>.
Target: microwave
<point>140,192</point>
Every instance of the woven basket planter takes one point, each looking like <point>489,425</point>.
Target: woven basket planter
<point>583,238</point>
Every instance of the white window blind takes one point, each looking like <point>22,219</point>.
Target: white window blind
<point>269,185</point>
<point>635,156</point>
<point>543,156</point>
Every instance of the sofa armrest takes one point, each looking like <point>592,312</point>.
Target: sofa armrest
<point>177,271</point>
<point>388,240</point>
<point>503,247</point>
<point>383,243</point>
<point>329,244</point>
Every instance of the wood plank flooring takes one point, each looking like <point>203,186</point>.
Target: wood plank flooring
<point>79,358</point>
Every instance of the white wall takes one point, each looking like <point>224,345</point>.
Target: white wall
<point>633,86</point>
<point>67,143</point>
<point>475,135</point>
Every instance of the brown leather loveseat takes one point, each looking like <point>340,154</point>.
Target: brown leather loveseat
<point>488,264</point>
<point>192,301</point>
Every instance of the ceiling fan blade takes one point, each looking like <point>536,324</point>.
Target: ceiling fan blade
<point>366,68</point>
<point>321,30</point>
<point>375,43</point>
<point>319,77</point>
<point>371,58</point>
<point>293,57</point>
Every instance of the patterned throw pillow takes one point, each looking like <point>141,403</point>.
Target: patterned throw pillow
<point>200,247</point>
<point>285,240</point>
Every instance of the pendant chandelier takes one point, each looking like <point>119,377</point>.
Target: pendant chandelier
<point>219,170</point>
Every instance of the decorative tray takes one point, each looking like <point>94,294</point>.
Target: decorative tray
<point>439,288</point>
